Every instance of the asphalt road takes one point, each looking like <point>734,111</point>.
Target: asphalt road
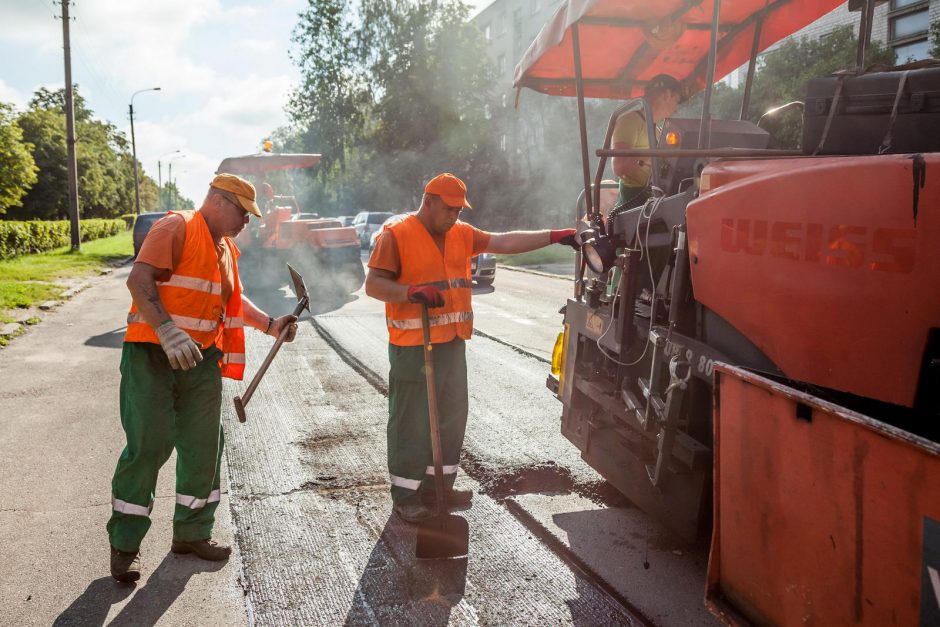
<point>551,542</point>
<point>307,502</point>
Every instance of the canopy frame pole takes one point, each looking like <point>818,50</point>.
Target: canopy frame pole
<point>582,118</point>
<point>864,33</point>
<point>751,68</point>
<point>705,129</point>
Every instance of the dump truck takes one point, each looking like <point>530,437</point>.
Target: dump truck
<point>752,356</point>
<point>320,248</point>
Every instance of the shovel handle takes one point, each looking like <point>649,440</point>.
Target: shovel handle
<point>242,401</point>
<point>433,415</point>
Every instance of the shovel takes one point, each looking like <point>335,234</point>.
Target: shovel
<point>303,302</point>
<point>443,535</point>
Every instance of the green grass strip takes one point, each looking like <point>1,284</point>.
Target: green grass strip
<point>540,257</point>
<point>31,279</point>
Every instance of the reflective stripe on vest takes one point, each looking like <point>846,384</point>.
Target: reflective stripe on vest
<point>192,297</point>
<point>183,322</point>
<point>193,283</point>
<point>434,321</point>
<point>422,263</point>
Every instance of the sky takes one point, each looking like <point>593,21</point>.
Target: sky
<point>223,68</point>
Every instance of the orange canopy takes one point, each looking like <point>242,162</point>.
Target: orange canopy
<point>263,162</point>
<point>624,43</point>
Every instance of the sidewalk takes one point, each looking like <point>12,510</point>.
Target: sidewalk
<point>60,437</point>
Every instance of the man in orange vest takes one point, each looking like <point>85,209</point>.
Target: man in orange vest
<point>185,331</point>
<point>425,259</point>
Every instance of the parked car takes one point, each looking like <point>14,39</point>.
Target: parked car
<point>366,222</point>
<point>345,220</point>
<point>391,220</point>
<point>142,226</point>
<point>482,266</point>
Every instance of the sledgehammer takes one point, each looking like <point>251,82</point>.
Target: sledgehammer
<point>303,302</point>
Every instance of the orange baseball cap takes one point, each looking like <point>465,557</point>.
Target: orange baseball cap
<point>243,191</point>
<point>451,189</point>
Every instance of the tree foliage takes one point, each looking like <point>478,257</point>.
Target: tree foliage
<point>105,164</point>
<point>171,199</point>
<point>393,92</point>
<point>17,167</point>
<point>935,40</point>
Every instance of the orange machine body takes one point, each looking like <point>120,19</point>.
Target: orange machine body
<point>822,515</point>
<point>827,264</point>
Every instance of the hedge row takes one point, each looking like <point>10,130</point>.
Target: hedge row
<point>36,236</point>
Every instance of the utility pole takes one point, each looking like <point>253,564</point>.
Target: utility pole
<point>72,164</point>
<point>134,148</point>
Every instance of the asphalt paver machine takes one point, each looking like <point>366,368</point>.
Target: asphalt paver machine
<point>812,275</point>
<point>320,248</point>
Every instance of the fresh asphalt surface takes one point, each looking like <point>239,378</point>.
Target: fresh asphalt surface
<point>316,544</point>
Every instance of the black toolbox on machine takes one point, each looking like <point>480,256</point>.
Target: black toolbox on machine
<point>862,118</point>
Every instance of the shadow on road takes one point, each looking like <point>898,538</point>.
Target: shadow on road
<point>111,339</point>
<point>93,605</point>
<point>148,604</point>
<point>397,589</point>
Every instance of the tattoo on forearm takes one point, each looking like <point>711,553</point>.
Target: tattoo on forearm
<point>150,293</point>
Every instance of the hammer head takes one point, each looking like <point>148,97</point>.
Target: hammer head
<point>300,288</point>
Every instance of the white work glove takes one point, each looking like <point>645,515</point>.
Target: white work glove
<point>180,348</point>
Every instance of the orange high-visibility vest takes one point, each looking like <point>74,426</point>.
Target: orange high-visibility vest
<point>423,264</point>
<point>193,298</point>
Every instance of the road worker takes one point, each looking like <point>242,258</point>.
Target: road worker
<point>425,259</point>
<point>185,331</point>
<point>663,93</point>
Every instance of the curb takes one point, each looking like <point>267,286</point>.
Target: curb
<point>536,272</point>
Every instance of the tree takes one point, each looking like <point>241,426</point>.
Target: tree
<point>17,167</point>
<point>105,164</point>
<point>935,40</point>
<point>172,200</point>
<point>393,92</point>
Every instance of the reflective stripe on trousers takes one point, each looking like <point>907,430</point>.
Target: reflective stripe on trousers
<point>193,503</point>
<point>129,508</point>
<point>401,482</point>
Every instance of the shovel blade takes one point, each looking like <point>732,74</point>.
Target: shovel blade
<point>441,537</point>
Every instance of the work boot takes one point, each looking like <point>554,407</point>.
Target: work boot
<point>207,549</point>
<point>412,512</point>
<point>454,497</point>
<point>125,566</point>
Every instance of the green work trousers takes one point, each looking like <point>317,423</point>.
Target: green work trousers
<point>163,409</point>
<point>410,463</point>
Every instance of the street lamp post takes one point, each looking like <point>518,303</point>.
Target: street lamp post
<point>134,147</point>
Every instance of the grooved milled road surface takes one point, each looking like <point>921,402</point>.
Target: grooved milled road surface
<point>311,509</point>
<point>551,543</point>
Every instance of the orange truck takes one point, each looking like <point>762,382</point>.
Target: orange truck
<point>321,249</point>
<point>753,354</point>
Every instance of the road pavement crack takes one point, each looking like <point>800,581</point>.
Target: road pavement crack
<point>514,347</point>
